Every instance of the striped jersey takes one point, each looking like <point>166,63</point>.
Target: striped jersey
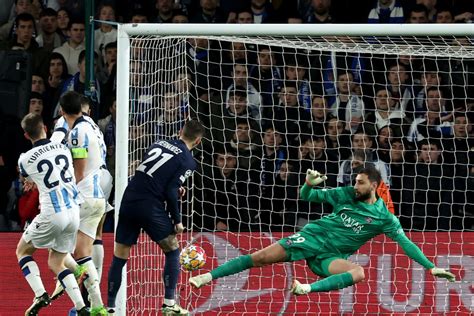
<point>86,142</point>
<point>49,165</point>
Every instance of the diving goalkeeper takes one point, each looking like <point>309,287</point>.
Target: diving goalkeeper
<point>358,216</point>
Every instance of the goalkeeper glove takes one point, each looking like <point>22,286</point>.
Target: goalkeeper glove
<point>442,273</point>
<point>313,177</point>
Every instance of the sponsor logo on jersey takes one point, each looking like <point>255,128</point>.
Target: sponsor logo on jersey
<point>368,220</point>
<point>351,223</point>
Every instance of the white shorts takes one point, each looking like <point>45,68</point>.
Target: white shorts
<point>57,231</point>
<point>106,184</point>
<point>92,211</point>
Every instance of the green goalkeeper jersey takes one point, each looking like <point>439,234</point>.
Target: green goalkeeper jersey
<point>352,223</point>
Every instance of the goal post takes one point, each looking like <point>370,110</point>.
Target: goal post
<point>157,54</point>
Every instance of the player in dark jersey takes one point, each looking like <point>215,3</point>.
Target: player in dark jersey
<point>151,202</point>
<point>358,216</point>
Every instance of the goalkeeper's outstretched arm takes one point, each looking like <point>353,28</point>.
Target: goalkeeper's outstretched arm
<point>415,253</point>
<point>331,196</point>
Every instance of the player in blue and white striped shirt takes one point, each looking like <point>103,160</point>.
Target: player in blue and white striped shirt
<point>49,166</point>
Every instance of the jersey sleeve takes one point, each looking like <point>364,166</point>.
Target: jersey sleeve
<point>331,196</point>
<point>172,195</point>
<point>78,143</point>
<point>394,231</point>
<point>21,167</point>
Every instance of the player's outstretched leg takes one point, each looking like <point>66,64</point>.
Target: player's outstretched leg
<point>272,254</point>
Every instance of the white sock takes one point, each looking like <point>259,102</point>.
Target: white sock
<point>69,284</point>
<point>92,284</point>
<point>32,275</point>
<point>98,257</point>
<point>168,302</point>
<point>70,263</point>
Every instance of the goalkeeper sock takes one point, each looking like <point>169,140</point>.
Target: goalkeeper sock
<point>333,282</point>
<point>171,273</point>
<point>233,266</point>
<point>115,279</point>
<point>98,256</point>
<point>32,274</point>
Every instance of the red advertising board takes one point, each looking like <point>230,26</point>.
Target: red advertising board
<point>394,284</point>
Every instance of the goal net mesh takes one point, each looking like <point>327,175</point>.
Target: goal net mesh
<point>274,107</point>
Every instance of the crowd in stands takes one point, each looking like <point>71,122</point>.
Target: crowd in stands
<point>270,112</point>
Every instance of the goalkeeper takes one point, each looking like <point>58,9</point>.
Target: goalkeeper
<point>358,216</point>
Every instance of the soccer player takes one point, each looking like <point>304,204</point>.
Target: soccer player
<point>358,216</point>
<point>85,144</point>
<point>61,130</point>
<point>157,182</point>
<point>49,166</point>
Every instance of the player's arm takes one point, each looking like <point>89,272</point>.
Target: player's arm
<point>331,196</point>
<point>79,152</point>
<point>173,196</point>
<point>394,231</point>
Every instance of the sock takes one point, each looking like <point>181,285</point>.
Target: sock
<point>70,263</point>
<point>333,282</point>
<point>171,273</point>
<point>169,302</point>
<point>69,283</point>
<point>115,279</point>
<point>98,256</point>
<point>233,266</point>
<point>32,274</point>
<point>92,282</point>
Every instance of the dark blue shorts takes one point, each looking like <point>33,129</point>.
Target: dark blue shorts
<point>137,215</point>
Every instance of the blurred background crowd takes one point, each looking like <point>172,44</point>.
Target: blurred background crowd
<point>270,112</point>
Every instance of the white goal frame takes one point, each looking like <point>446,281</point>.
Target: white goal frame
<point>277,30</point>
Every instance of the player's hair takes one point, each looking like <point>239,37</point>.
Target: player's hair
<point>372,173</point>
<point>192,130</point>
<point>32,124</point>
<point>71,102</point>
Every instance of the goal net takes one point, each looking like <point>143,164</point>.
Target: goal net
<point>275,104</point>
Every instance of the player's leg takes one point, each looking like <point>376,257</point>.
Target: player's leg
<point>98,249</point>
<point>92,211</point>
<point>126,235</point>
<point>66,277</point>
<point>272,254</point>
<point>341,273</point>
<point>24,254</point>
<point>121,254</point>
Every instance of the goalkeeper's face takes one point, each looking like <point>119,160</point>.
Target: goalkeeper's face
<point>364,188</point>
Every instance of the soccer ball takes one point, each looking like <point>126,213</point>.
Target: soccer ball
<point>192,258</point>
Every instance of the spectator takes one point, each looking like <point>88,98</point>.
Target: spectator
<point>319,114</point>
<point>436,122</point>
<point>170,121</point>
<point>63,22</point>
<point>418,14</point>
<point>179,17</point>
<point>427,196</point>
<point>262,12</point>
<point>106,33</point>
<point>107,126</point>
<point>226,193</point>
<point>245,17</point>
<point>295,70</point>
<point>266,75</point>
<point>36,103</point>
<point>400,87</point>
<point>241,82</point>
<point>57,75</point>
<point>209,13</point>
<point>49,38</point>
<point>8,30</point>
<point>384,136</point>
<point>386,113</point>
<point>74,45</point>
<point>347,106</point>
<point>320,12</point>
<point>164,11</point>
<point>37,84</point>
<point>444,14</point>
<point>430,78</point>
<point>387,11</point>
<point>337,139</point>
<point>77,82</point>
<point>285,196</point>
<point>139,16</point>
<point>245,141</point>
